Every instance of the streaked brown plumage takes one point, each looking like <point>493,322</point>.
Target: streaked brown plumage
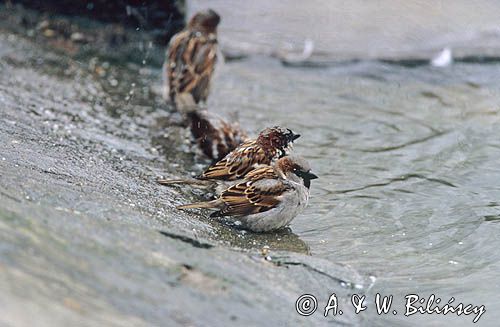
<point>245,198</point>
<point>268,198</point>
<point>215,137</point>
<point>271,144</point>
<point>191,58</point>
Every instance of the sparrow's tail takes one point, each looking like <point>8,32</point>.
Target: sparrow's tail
<point>182,181</point>
<point>214,204</point>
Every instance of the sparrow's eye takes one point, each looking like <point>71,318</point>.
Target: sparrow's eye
<point>276,140</point>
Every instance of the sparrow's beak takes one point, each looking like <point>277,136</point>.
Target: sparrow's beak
<point>310,175</point>
<point>307,176</point>
<point>292,136</point>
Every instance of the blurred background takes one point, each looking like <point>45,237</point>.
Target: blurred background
<point>359,29</point>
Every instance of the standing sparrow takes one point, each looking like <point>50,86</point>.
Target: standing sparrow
<point>269,198</point>
<point>190,61</point>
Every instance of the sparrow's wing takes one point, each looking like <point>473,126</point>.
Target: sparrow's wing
<point>192,58</point>
<point>234,135</point>
<point>215,137</point>
<point>262,172</point>
<point>175,65</point>
<point>237,163</point>
<point>254,196</point>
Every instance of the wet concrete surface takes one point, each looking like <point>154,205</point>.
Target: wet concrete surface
<point>88,238</point>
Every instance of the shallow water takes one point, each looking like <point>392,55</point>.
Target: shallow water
<point>407,154</point>
<point>407,159</point>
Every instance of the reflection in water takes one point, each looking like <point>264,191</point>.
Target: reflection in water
<point>269,243</point>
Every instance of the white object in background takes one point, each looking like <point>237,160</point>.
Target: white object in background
<point>298,57</point>
<point>443,58</point>
<point>308,48</point>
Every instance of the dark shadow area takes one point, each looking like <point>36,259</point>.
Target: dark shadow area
<point>162,18</point>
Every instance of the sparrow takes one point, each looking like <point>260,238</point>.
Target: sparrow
<point>190,61</point>
<point>270,145</point>
<point>268,199</point>
<point>215,137</point>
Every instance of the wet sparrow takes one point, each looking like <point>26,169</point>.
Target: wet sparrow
<point>190,61</point>
<point>215,137</point>
<point>269,198</point>
<point>271,144</point>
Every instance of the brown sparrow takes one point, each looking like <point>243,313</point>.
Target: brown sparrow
<point>190,61</point>
<point>215,137</point>
<point>269,198</point>
<point>271,144</point>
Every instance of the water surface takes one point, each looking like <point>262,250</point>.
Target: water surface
<point>407,154</point>
<point>408,165</point>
